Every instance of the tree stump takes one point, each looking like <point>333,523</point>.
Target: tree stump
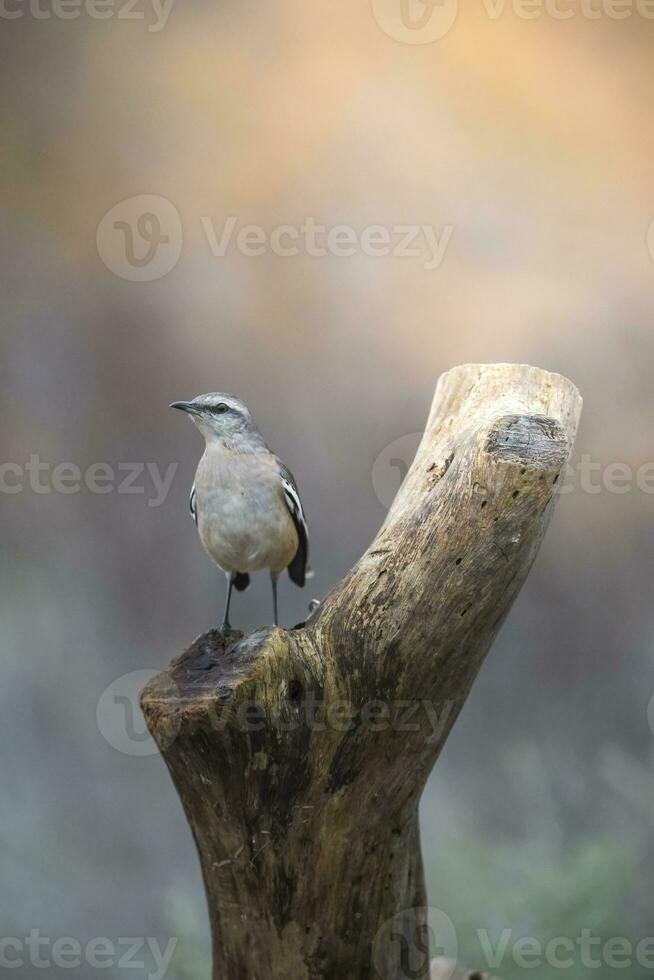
<point>300,755</point>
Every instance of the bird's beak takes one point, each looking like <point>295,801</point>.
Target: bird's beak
<point>189,407</point>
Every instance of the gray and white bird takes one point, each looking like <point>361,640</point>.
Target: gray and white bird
<point>244,500</point>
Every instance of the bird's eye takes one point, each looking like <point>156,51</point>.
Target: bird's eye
<point>221,408</point>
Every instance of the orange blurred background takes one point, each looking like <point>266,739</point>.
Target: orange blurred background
<point>529,143</point>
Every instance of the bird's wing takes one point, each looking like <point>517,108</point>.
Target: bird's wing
<point>191,503</point>
<point>297,569</point>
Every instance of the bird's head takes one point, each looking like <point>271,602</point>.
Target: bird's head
<point>222,417</point>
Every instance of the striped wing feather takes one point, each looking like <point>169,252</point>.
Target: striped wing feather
<point>297,570</point>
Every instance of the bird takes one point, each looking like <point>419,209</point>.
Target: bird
<point>244,500</point>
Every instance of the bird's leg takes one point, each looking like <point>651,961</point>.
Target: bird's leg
<point>273,579</point>
<point>230,582</point>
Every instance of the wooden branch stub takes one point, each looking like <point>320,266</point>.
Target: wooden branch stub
<point>300,756</point>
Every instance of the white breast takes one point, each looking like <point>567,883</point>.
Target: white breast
<point>243,521</point>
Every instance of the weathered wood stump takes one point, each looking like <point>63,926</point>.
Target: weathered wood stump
<point>300,756</point>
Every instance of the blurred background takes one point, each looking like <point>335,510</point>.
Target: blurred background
<point>133,138</point>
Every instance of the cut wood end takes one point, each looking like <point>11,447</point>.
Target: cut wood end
<point>528,440</point>
<point>505,369</point>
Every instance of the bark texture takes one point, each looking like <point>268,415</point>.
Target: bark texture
<point>300,755</point>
